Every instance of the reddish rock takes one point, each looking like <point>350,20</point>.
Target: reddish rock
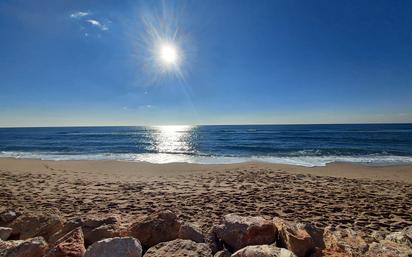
<point>387,248</point>
<point>344,241</point>
<point>179,248</point>
<point>88,224</point>
<point>294,237</point>
<point>263,251</point>
<point>238,232</point>
<point>33,224</point>
<point>70,245</point>
<point>154,229</point>
<point>191,232</point>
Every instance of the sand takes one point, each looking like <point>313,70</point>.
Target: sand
<point>356,196</point>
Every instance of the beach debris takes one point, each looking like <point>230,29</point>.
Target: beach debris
<point>115,247</point>
<point>33,247</point>
<point>5,232</point>
<point>34,224</point>
<point>70,245</point>
<point>153,229</point>
<point>237,231</point>
<point>263,251</point>
<point>179,247</point>
<point>192,232</point>
<point>295,237</point>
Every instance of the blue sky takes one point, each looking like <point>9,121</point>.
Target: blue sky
<point>88,62</point>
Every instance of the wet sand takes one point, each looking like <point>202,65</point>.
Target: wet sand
<point>357,196</point>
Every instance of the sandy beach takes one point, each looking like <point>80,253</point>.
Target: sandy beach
<point>355,196</point>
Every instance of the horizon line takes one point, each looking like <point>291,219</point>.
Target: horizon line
<point>234,124</point>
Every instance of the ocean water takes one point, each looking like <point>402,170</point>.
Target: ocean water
<point>307,145</point>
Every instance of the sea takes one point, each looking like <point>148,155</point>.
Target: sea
<point>306,145</point>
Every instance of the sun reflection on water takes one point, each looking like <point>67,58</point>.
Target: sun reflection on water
<point>172,139</point>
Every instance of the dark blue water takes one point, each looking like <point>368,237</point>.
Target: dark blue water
<point>293,144</point>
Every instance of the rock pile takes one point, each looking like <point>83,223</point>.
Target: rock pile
<point>47,234</point>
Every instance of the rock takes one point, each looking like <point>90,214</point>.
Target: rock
<point>88,224</point>
<point>34,224</point>
<point>154,229</point>
<point>102,232</point>
<point>7,216</point>
<point>115,247</point>
<point>223,253</point>
<point>345,241</point>
<point>70,245</point>
<point>191,232</point>
<point>294,237</point>
<point>263,251</point>
<point>33,247</point>
<point>315,233</point>
<point>402,237</point>
<point>5,233</point>
<point>386,248</point>
<point>214,243</point>
<point>377,236</point>
<point>178,248</point>
<point>238,232</point>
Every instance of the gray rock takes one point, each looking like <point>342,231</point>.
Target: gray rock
<point>115,247</point>
<point>5,233</point>
<point>238,232</point>
<point>33,247</point>
<point>179,248</point>
<point>263,251</point>
<point>402,237</point>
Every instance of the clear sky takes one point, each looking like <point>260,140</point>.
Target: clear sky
<point>97,62</point>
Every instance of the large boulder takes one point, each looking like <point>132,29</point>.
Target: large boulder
<point>115,247</point>
<point>294,237</point>
<point>94,228</point>
<point>344,241</point>
<point>179,248</point>
<point>34,224</point>
<point>153,229</point>
<point>5,233</point>
<point>191,232</point>
<point>33,247</point>
<point>70,245</point>
<point>237,231</point>
<point>263,251</point>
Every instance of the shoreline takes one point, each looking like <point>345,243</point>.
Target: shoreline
<point>401,173</point>
<point>366,198</point>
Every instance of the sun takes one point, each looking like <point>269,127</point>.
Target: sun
<point>168,54</point>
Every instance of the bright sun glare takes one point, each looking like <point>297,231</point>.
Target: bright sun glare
<point>168,54</point>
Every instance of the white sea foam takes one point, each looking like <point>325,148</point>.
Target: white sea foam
<point>161,158</point>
